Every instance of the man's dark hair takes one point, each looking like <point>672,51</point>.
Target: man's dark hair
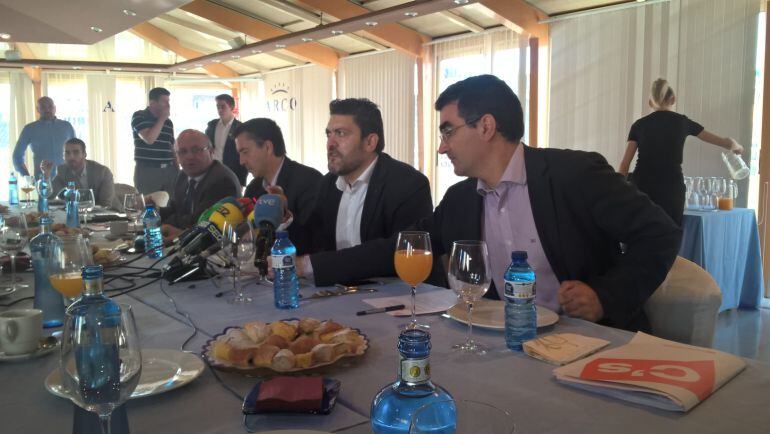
<point>157,92</point>
<point>365,114</point>
<point>228,99</point>
<point>261,129</point>
<point>482,94</point>
<point>76,141</point>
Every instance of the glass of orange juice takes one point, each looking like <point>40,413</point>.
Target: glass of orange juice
<point>413,261</point>
<point>70,254</point>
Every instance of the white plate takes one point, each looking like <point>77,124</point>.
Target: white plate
<point>162,370</point>
<point>40,351</point>
<point>490,314</point>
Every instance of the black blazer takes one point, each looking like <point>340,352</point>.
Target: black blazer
<point>218,183</point>
<point>397,197</point>
<point>230,154</point>
<point>299,183</point>
<point>583,210</point>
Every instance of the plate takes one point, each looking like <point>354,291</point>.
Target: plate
<point>265,371</point>
<point>490,314</point>
<point>162,371</point>
<point>40,351</point>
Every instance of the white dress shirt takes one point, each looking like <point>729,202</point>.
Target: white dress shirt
<point>348,232</point>
<point>220,138</point>
<point>273,181</point>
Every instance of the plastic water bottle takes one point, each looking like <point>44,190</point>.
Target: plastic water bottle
<point>153,239</point>
<point>71,199</point>
<point>520,310</point>
<point>47,298</point>
<point>43,189</point>
<point>285,282</point>
<point>393,407</point>
<point>13,189</point>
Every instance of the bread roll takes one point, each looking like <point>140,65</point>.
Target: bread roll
<point>257,331</point>
<point>303,360</point>
<point>308,325</point>
<point>283,360</point>
<point>277,341</point>
<point>322,353</point>
<point>235,349</point>
<point>282,328</point>
<point>263,355</point>
<point>303,344</point>
<point>327,327</point>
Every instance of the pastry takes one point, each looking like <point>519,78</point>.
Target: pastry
<point>235,348</point>
<point>303,344</point>
<point>308,325</point>
<point>302,361</point>
<point>322,353</point>
<point>263,355</point>
<point>327,327</point>
<point>257,331</point>
<point>283,328</point>
<point>283,360</point>
<point>277,341</point>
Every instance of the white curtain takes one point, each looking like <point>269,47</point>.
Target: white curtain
<point>602,67</point>
<point>297,100</point>
<point>101,119</point>
<point>387,79</point>
<point>22,111</point>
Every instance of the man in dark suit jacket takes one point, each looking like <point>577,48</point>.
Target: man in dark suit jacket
<point>202,182</point>
<point>580,211</point>
<point>86,174</point>
<point>220,132</point>
<point>263,152</point>
<point>366,195</point>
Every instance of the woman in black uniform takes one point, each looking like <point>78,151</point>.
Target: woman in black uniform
<point>660,137</point>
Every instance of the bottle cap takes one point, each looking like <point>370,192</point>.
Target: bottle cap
<point>281,234</point>
<point>92,272</point>
<point>518,255</point>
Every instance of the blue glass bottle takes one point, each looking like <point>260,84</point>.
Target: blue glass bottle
<point>13,189</point>
<point>520,310</point>
<point>96,359</point>
<point>71,199</point>
<point>395,404</point>
<point>47,298</point>
<point>285,282</point>
<point>153,238</point>
<point>43,190</point>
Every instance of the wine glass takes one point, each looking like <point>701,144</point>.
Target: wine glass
<point>469,277</point>
<point>27,186</point>
<point>86,203</point>
<point>238,248</point>
<point>463,416</point>
<point>100,360</point>
<point>70,253</point>
<point>413,261</point>
<point>133,205</point>
<point>13,238</point>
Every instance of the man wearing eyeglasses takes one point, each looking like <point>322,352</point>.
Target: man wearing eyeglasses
<point>202,182</point>
<point>568,209</point>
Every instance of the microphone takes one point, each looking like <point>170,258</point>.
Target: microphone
<point>190,233</point>
<point>267,216</point>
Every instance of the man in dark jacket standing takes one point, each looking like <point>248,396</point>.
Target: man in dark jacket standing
<point>220,132</point>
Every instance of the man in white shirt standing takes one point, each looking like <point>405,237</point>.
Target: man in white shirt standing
<point>221,134</point>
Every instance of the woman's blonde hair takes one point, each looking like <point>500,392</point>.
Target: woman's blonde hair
<point>661,95</point>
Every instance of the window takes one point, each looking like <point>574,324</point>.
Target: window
<point>5,146</point>
<point>70,94</point>
<point>193,107</point>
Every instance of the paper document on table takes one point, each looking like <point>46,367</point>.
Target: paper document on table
<point>426,302</point>
<point>655,372</point>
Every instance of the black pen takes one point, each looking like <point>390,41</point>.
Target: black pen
<point>380,309</point>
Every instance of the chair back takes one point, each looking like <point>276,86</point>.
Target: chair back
<point>121,190</point>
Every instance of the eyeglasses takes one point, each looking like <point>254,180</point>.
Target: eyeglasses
<point>193,151</point>
<point>446,132</point>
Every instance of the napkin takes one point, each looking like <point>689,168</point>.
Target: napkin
<point>426,302</point>
<point>562,348</point>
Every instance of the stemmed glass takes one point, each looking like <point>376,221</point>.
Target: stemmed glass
<point>413,261</point>
<point>100,361</point>
<point>469,277</point>
<point>70,253</point>
<point>238,248</point>
<point>86,203</point>
<point>27,186</point>
<point>463,416</point>
<point>13,238</point>
<point>133,205</point>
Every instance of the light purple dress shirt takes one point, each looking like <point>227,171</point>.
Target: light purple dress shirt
<point>509,226</point>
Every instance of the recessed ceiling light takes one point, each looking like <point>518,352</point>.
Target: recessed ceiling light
<point>307,39</point>
<point>5,36</point>
<point>76,67</point>
<point>411,14</point>
<point>280,45</point>
<point>129,12</point>
<point>183,69</point>
<point>117,69</point>
<point>156,70</point>
<point>256,51</point>
<point>215,60</point>
<point>371,23</point>
<point>198,65</point>
<point>337,32</point>
<point>235,56</point>
<point>96,29</point>
<point>461,2</point>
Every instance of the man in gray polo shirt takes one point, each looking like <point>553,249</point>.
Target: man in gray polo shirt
<point>156,167</point>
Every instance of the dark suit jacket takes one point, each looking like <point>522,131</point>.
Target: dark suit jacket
<point>582,209</point>
<point>218,183</point>
<point>397,197</point>
<point>230,154</point>
<point>299,183</point>
<point>98,177</point>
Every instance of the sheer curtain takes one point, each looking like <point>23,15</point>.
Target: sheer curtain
<point>388,80</point>
<point>102,120</point>
<point>70,94</point>
<point>297,100</point>
<point>602,67</point>
<point>21,111</point>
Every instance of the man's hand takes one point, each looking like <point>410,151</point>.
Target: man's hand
<point>148,200</point>
<point>580,300</point>
<point>735,147</point>
<point>169,233</point>
<point>278,191</point>
<point>165,113</point>
<point>47,167</point>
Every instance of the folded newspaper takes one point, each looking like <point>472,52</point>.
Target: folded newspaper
<point>654,372</point>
